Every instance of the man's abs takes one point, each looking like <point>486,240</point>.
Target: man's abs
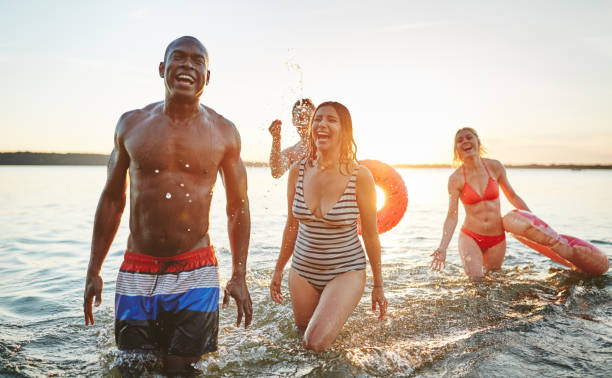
<point>169,213</point>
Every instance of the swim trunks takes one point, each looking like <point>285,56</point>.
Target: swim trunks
<point>329,246</point>
<point>484,241</point>
<point>168,303</point>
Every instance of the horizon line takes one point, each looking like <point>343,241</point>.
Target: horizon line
<point>265,163</point>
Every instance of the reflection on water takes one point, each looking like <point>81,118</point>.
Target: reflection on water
<point>531,318</point>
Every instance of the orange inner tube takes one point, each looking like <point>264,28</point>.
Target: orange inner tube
<point>396,194</point>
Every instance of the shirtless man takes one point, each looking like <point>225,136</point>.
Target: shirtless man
<point>280,162</point>
<point>167,290</point>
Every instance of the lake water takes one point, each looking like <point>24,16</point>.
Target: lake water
<point>533,318</point>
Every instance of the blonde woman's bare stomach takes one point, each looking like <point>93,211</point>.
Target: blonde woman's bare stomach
<point>484,222</point>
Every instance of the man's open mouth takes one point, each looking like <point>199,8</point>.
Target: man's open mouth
<point>184,78</point>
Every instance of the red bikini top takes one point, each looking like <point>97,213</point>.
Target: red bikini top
<point>469,196</point>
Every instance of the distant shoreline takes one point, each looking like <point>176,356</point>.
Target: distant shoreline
<point>44,158</point>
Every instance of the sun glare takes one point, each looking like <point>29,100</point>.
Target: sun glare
<point>380,198</point>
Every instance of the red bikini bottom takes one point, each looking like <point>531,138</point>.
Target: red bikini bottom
<point>484,241</point>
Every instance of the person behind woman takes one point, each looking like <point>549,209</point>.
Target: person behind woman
<point>326,192</point>
<point>280,161</point>
<point>482,241</point>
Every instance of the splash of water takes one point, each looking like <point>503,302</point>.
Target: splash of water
<point>293,66</point>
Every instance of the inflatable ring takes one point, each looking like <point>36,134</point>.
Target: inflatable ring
<point>396,194</point>
<point>570,251</point>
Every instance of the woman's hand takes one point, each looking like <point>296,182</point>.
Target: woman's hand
<point>275,286</point>
<point>439,260</point>
<point>378,298</point>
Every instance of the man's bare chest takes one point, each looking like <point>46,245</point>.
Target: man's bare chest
<point>197,149</point>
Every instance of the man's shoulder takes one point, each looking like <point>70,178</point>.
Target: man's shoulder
<point>136,116</point>
<point>223,126</point>
<point>217,119</point>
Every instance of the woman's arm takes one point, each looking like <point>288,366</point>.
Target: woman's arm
<point>439,255</point>
<point>366,201</point>
<point>509,192</point>
<point>289,236</point>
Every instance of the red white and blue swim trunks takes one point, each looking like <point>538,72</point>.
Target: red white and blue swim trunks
<point>168,303</point>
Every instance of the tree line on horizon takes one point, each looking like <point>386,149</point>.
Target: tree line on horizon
<point>48,158</point>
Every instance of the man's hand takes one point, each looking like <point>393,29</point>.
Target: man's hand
<point>275,128</point>
<point>237,289</point>
<point>93,288</point>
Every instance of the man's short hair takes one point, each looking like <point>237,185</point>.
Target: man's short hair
<point>304,102</point>
<point>194,39</point>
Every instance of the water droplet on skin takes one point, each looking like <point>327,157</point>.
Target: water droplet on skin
<point>157,171</point>
<point>186,165</point>
<point>182,185</point>
<point>189,230</point>
<point>187,195</point>
<point>168,195</point>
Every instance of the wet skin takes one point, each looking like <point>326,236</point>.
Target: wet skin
<point>172,151</point>
<point>281,161</point>
<point>483,217</point>
<point>166,159</point>
<point>321,314</point>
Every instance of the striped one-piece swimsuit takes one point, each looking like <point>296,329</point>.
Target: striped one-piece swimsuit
<point>329,246</point>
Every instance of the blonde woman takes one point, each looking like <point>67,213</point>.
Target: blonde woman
<point>482,241</point>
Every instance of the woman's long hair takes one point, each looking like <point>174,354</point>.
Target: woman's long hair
<point>457,161</point>
<point>348,147</point>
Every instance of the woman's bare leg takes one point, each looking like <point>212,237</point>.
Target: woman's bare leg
<point>337,302</point>
<point>471,256</point>
<point>494,256</point>
<point>304,299</point>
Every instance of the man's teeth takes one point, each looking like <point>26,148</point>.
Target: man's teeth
<point>186,77</point>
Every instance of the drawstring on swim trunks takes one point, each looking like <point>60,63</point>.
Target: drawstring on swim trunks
<point>177,264</point>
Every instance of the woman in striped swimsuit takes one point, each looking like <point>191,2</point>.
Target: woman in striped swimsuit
<point>326,194</point>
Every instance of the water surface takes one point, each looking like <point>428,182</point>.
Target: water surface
<point>532,318</point>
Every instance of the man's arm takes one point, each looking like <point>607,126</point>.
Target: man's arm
<point>233,174</point>
<point>106,222</point>
<point>276,168</point>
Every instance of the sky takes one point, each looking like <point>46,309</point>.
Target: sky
<point>534,78</point>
